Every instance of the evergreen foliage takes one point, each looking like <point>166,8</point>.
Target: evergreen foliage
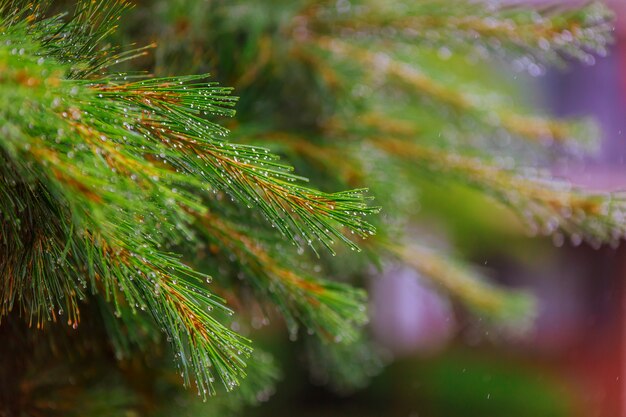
<point>123,195</point>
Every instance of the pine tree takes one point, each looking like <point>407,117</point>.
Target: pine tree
<point>123,194</point>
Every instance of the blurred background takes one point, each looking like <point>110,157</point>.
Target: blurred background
<point>570,362</point>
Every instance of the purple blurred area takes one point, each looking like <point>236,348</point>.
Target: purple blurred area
<point>598,91</point>
<point>419,319</point>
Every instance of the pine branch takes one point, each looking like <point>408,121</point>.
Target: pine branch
<point>122,257</point>
<point>122,165</point>
<point>78,41</point>
<point>331,310</point>
<point>544,34</point>
<point>490,113</point>
<point>249,174</point>
<point>32,242</point>
<point>548,205</point>
<point>501,305</point>
<point>257,388</point>
<point>177,299</point>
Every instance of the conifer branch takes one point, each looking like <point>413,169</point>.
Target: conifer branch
<point>544,34</point>
<point>77,41</point>
<point>122,164</point>
<point>331,310</point>
<point>249,174</point>
<point>499,304</point>
<point>491,114</point>
<point>548,206</point>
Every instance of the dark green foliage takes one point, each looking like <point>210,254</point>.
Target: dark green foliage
<point>102,176</point>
